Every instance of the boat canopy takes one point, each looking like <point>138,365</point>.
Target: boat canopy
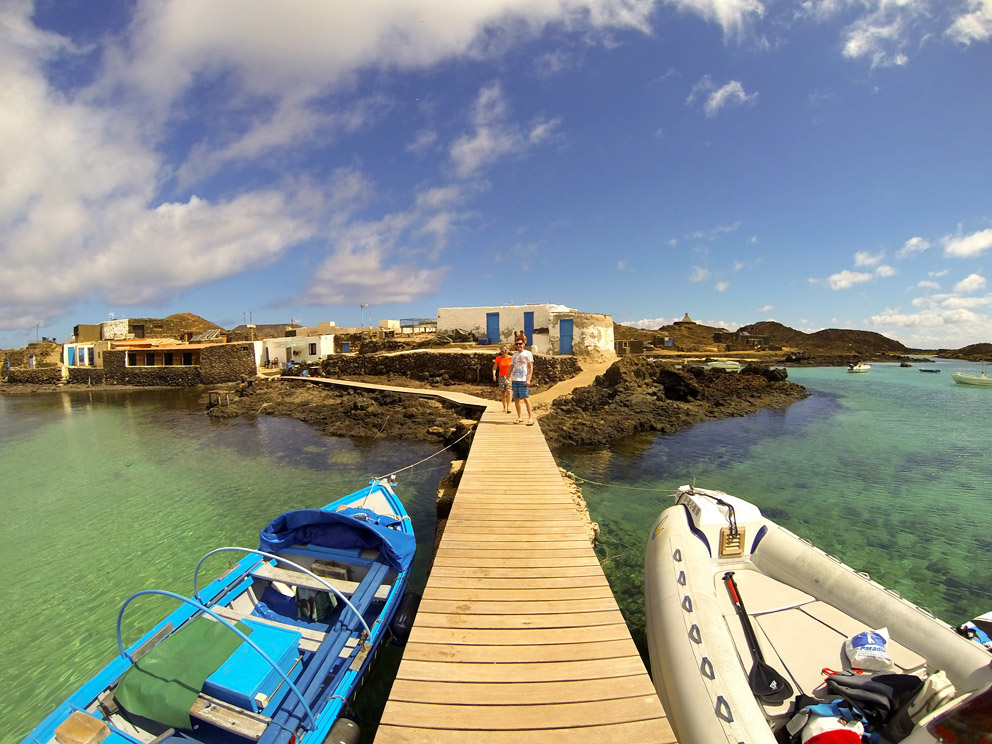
<point>347,528</point>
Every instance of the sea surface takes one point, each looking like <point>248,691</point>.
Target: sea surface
<point>888,470</point>
<point>108,493</point>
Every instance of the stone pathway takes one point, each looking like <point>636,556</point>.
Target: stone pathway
<point>542,401</point>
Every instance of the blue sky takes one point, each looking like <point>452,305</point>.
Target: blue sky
<point>822,163</point>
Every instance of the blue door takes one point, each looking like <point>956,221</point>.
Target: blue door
<point>529,327</point>
<point>72,356</point>
<point>565,334</point>
<point>492,327</point>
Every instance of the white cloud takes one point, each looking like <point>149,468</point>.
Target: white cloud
<point>381,261</point>
<point>968,246</point>
<point>423,140</point>
<point>493,135</point>
<point>699,274</point>
<point>913,245</point>
<point>649,324</point>
<point>974,24</point>
<point>864,258</point>
<point>885,271</point>
<point>722,286</point>
<point>926,284</point>
<point>970,284</point>
<point>846,279</point>
<point>729,94</point>
<point>714,232</point>
<point>766,309</point>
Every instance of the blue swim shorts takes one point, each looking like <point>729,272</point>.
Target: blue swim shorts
<point>520,389</point>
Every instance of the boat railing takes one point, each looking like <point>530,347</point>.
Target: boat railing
<point>280,559</point>
<point>225,623</point>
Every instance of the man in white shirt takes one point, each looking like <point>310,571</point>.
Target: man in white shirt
<point>523,370</point>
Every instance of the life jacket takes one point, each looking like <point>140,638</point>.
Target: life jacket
<point>884,700</point>
<point>834,722</point>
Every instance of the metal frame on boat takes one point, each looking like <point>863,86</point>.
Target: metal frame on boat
<point>272,651</point>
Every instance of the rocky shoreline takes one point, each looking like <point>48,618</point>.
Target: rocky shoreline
<point>639,395</point>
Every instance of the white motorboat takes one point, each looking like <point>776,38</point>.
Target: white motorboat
<point>730,365</point>
<point>981,380</point>
<point>801,607</point>
<point>859,367</point>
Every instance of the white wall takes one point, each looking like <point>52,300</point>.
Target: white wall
<point>299,346</point>
<point>511,318</point>
<point>592,333</point>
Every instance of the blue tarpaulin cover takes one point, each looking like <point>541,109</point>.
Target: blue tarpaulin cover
<point>348,528</point>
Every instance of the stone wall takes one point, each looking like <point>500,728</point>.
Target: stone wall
<point>441,368</point>
<point>227,363</point>
<point>41,376</point>
<point>116,372</point>
<point>85,376</point>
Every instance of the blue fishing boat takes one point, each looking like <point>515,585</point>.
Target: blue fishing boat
<point>273,650</point>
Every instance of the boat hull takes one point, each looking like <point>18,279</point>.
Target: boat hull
<point>802,604</point>
<point>978,381</point>
<point>321,659</point>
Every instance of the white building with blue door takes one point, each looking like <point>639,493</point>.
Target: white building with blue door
<point>550,329</point>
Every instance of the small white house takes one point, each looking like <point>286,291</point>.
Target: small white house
<point>301,349</point>
<point>550,329</point>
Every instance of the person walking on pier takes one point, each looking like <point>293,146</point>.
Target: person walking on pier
<point>501,375</point>
<point>523,371</point>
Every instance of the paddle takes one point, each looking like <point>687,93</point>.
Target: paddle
<point>765,682</point>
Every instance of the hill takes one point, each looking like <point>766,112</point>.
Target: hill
<point>191,322</point>
<point>973,352</point>
<point>829,340</point>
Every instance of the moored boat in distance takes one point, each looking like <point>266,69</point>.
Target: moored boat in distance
<point>859,367</point>
<point>922,369</point>
<point>730,365</point>
<point>981,380</point>
<point>727,674</point>
<point>272,650</point>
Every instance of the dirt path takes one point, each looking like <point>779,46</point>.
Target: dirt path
<point>542,401</point>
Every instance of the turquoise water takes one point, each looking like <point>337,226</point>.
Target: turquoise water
<point>888,470</point>
<point>105,494</point>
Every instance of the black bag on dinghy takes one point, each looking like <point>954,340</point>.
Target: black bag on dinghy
<point>883,699</point>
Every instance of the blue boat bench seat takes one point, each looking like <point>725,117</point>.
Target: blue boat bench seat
<point>310,639</point>
<point>296,578</point>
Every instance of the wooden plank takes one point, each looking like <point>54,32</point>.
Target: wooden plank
<point>512,572</point>
<point>297,578</point>
<point>520,596</point>
<point>522,637</point>
<point>603,669</point>
<point>654,731</point>
<point>562,620</point>
<point>524,717</point>
<point>428,604</point>
<point>229,717</point>
<point>439,581</point>
<point>455,693</point>
<point>517,653</point>
<point>513,560</point>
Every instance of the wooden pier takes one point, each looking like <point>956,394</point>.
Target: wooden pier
<point>518,639</point>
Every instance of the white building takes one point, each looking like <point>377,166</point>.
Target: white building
<point>550,329</point>
<point>299,349</point>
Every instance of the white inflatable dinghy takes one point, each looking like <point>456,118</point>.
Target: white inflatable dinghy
<point>743,616</point>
